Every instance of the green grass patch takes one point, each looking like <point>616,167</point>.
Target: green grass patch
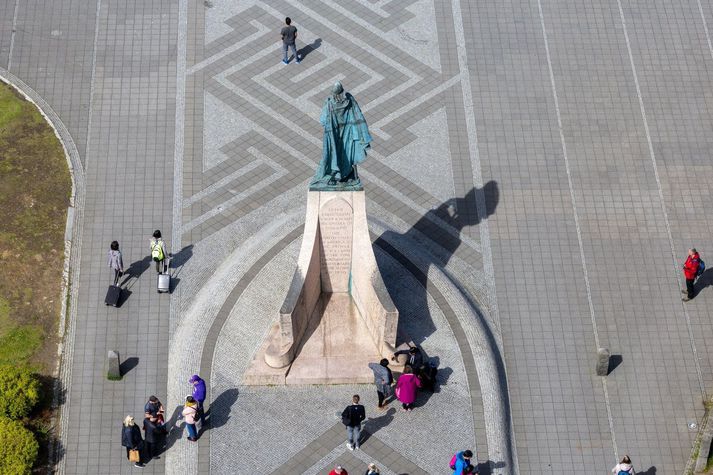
<point>19,344</point>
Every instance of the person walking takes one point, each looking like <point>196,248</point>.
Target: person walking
<point>115,261</point>
<point>625,467</point>
<point>352,417</point>
<point>158,251</point>
<point>339,470</point>
<point>690,272</point>
<point>382,379</point>
<point>406,389</point>
<point>289,35</point>
<point>461,462</point>
<point>152,435</point>
<point>414,358</point>
<point>132,440</point>
<point>190,413</point>
<point>372,470</point>
<point>199,395</point>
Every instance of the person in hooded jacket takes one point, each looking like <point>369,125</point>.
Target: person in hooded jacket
<point>690,272</point>
<point>624,467</point>
<point>382,379</point>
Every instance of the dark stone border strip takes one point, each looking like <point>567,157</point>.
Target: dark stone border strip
<point>212,338</point>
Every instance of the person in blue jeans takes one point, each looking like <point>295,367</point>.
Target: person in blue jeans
<point>289,35</point>
<point>352,417</point>
<point>190,413</point>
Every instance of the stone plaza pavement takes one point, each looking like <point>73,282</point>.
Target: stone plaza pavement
<point>538,171</point>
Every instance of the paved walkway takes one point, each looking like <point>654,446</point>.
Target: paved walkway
<point>539,170</point>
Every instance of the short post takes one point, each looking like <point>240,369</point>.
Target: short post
<point>603,361</point>
<point>113,372</point>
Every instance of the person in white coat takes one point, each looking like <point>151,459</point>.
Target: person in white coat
<point>624,467</point>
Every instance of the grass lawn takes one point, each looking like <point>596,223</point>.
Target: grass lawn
<point>35,188</point>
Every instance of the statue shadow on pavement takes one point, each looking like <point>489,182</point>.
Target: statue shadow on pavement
<point>453,215</point>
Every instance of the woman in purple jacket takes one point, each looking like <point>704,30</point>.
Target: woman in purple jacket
<point>199,394</point>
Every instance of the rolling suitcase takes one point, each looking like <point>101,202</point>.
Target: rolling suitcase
<point>113,295</point>
<point>164,283</point>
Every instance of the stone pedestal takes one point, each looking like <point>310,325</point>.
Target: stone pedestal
<point>113,372</point>
<point>337,315</point>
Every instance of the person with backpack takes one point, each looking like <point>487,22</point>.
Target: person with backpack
<point>624,467</point>
<point>158,252</point>
<point>382,379</point>
<point>461,461</point>
<point>352,417</point>
<point>199,393</point>
<point>691,269</point>
<point>190,414</point>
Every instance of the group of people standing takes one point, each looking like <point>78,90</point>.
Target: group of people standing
<point>141,449</point>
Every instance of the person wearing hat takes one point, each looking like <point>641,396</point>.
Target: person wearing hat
<point>339,470</point>
<point>199,395</point>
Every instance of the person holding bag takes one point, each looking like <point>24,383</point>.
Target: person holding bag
<point>190,414</point>
<point>132,440</point>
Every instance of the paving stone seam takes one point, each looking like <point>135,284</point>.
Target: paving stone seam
<point>185,360</point>
<point>74,226</point>
<point>473,147</point>
<point>705,27</point>
<point>12,35</point>
<point>575,216</point>
<point>669,235</point>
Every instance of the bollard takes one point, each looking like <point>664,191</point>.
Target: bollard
<point>603,361</point>
<point>114,369</point>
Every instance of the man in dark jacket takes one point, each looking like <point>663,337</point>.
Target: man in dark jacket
<point>352,417</point>
<point>690,271</point>
<point>152,436</point>
<point>414,358</point>
<point>199,394</point>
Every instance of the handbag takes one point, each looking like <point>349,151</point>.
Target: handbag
<point>134,456</point>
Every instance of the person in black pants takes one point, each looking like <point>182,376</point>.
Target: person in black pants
<point>152,434</point>
<point>132,440</point>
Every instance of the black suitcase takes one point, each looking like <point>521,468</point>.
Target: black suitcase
<point>113,295</point>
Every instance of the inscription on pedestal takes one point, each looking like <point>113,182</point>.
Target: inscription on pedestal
<point>335,230</point>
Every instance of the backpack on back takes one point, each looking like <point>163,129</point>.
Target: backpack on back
<point>157,251</point>
<point>701,267</point>
<point>453,461</point>
<point>623,472</point>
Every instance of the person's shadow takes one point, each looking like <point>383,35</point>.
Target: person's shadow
<point>374,424</point>
<point>132,274</point>
<point>307,49</point>
<point>218,414</point>
<point>176,263</point>
<point>703,281</point>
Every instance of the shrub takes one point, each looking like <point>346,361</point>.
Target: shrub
<point>19,447</point>
<point>19,391</point>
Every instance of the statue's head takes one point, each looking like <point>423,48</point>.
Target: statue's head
<point>337,89</point>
